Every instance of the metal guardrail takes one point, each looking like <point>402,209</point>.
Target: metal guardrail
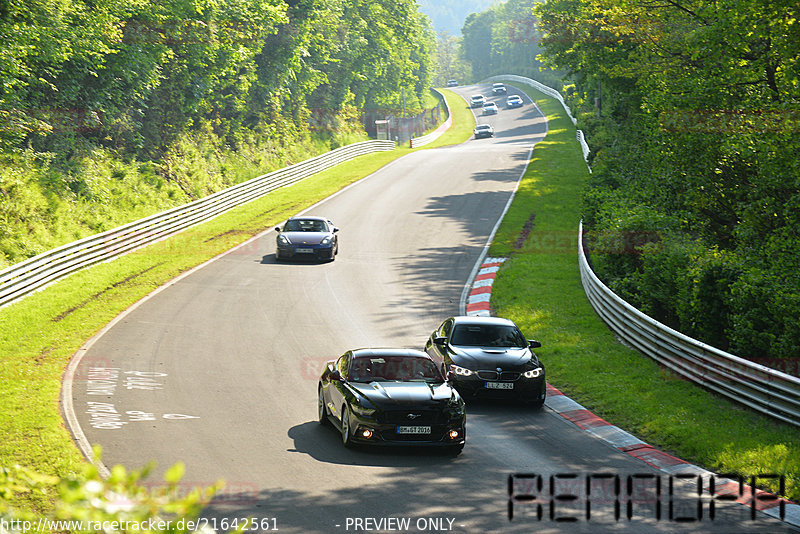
<point>423,140</point>
<point>763,389</point>
<point>549,91</point>
<point>34,273</point>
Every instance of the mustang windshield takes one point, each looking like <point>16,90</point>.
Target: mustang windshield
<point>394,368</point>
<point>474,335</point>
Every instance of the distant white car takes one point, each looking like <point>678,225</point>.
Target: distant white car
<point>483,130</point>
<point>490,108</point>
<point>476,101</point>
<point>514,101</point>
<point>498,88</point>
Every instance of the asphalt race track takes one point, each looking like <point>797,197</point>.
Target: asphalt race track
<point>219,370</point>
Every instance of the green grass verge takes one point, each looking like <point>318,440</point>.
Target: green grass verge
<point>463,121</point>
<point>40,333</point>
<point>539,288</point>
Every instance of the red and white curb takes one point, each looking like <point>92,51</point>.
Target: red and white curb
<point>477,304</point>
<point>481,293</point>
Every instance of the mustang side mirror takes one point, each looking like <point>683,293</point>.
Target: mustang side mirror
<point>441,341</point>
<point>532,343</point>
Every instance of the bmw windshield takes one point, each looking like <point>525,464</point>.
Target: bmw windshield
<point>481,335</point>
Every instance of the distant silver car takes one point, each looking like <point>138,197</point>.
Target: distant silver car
<point>498,88</point>
<point>490,108</point>
<point>477,101</point>
<point>311,237</point>
<point>483,130</point>
<point>514,101</point>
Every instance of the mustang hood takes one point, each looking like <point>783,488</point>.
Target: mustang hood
<point>490,358</point>
<point>305,238</point>
<point>404,392</point>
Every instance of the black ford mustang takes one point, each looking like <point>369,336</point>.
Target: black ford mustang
<point>489,357</point>
<point>391,397</point>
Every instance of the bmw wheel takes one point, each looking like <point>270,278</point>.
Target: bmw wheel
<point>347,437</point>
<point>536,404</point>
<point>322,410</point>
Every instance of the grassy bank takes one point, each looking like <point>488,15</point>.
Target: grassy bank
<point>40,333</point>
<point>539,288</point>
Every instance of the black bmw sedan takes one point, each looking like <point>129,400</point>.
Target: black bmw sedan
<point>311,237</point>
<point>488,357</point>
<point>391,397</point>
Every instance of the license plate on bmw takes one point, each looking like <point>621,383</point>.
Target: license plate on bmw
<point>499,385</point>
<point>413,430</point>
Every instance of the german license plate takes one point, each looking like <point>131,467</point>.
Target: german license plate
<point>413,430</point>
<point>499,385</point>
<point>305,250</point>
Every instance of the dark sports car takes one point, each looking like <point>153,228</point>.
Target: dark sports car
<point>313,237</point>
<point>488,357</point>
<point>391,397</point>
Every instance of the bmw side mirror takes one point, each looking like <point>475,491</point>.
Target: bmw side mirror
<point>532,343</point>
<point>440,341</point>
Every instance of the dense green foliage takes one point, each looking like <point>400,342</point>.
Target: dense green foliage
<point>539,287</point>
<point>505,40</point>
<point>691,110</point>
<point>110,110</point>
<point>450,65</point>
<point>448,15</point>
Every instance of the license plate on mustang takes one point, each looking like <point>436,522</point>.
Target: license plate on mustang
<point>413,430</point>
<point>499,385</point>
<point>304,250</point>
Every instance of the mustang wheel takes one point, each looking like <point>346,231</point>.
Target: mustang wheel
<point>322,409</point>
<point>347,437</point>
<point>456,449</point>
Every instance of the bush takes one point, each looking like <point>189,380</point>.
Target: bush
<point>86,502</point>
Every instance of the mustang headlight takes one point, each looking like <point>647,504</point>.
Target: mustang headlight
<point>533,373</point>
<point>283,240</point>
<point>460,371</point>
<point>363,410</point>
<point>325,241</point>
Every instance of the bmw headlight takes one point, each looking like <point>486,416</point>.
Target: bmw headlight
<point>533,373</point>
<point>363,410</point>
<point>283,240</point>
<point>460,371</point>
